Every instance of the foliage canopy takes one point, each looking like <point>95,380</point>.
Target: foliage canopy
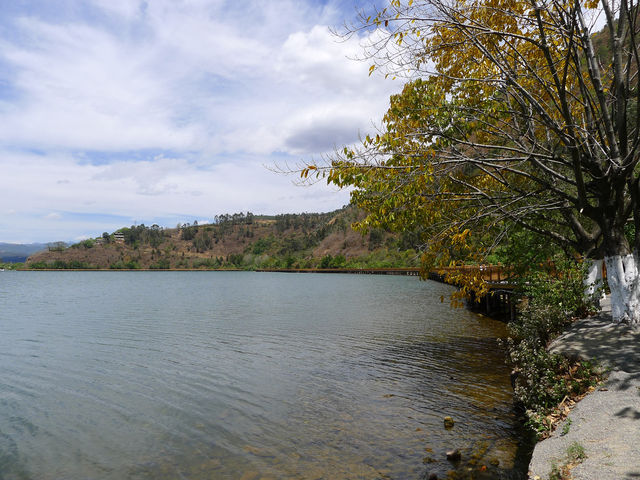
<point>512,118</point>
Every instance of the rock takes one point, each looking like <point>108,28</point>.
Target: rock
<point>258,452</point>
<point>454,455</point>
<point>213,464</point>
<point>448,422</point>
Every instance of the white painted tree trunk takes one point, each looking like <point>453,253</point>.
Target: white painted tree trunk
<point>622,276</point>
<point>593,284</point>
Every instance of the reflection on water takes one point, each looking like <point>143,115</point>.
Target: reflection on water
<point>206,375</point>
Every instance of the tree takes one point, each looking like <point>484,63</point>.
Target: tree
<point>512,119</point>
<point>56,246</point>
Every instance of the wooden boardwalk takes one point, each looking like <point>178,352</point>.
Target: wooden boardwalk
<point>357,271</point>
<point>499,302</point>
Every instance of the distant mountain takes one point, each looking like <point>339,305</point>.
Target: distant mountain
<point>238,241</point>
<point>19,252</point>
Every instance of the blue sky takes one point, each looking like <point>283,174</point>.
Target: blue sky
<point>117,112</point>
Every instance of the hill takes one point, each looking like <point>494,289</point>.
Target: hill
<point>244,241</point>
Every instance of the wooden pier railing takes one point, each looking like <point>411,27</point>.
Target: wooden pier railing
<point>361,271</point>
<point>498,302</point>
<point>490,273</point>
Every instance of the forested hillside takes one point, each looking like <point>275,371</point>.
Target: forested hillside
<point>239,241</point>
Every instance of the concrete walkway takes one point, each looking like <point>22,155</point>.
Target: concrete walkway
<point>606,422</point>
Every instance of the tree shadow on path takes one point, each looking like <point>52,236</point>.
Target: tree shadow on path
<point>616,346</point>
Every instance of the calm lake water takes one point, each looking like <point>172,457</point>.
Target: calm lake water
<point>239,375</point>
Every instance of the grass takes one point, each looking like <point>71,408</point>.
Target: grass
<point>575,456</point>
<point>576,453</point>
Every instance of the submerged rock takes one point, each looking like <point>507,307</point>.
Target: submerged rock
<point>454,455</point>
<point>448,422</point>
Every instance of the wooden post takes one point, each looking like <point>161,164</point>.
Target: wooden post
<point>512,308</point>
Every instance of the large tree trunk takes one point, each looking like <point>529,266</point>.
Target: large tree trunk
<point>622,276</point>
<point>593,284</point>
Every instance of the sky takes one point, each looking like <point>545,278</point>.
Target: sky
<point>122,112</point>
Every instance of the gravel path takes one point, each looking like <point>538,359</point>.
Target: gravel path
<point>606,422</point>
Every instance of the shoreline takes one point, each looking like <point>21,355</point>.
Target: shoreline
<point>605,425</point>
<point>410,271</point>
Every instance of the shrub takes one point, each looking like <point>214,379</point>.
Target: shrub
<point>235,259</point>
<point>552,300</point>
<point>325,262</point>
<point>120,265</point>
<point>38,265</point>
<point>537,385</point>
<point>338,261</point>
<point>88,243</point>
<point>162,264</point>
<point>261,245</point>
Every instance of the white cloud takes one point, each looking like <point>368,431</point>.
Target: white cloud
<point>82,88</point>
<point>126,9</point>
<point>324,63</point>
<point>142,192</point>
<point>191,82</point>
<point>160,109</point>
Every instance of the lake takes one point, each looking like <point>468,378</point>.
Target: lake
<point>242,375</point>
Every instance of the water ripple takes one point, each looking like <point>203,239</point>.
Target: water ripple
<point>174,375</point>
